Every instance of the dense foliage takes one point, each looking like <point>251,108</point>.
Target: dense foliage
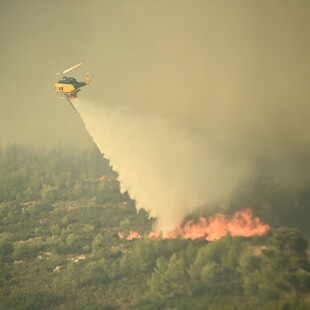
<point>60,249</point>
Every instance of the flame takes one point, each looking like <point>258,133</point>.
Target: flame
<point>215,227</point>
<point>242,223</point>
<point>154,235</point>
<point>132,235</point>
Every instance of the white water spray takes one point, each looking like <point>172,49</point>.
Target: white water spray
<point>168,171</point>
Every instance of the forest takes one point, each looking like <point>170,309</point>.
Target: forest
<point>62,213</point>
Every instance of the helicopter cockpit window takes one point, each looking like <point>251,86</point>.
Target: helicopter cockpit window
<point>64,82</point>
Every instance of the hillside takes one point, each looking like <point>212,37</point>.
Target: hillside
<point>60,247</point>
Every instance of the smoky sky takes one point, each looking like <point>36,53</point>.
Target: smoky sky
<point>233,75</point>
<point>233,70</point>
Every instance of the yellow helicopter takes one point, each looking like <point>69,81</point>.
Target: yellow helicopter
<point>69,86</point>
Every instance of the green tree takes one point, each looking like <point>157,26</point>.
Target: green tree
<point>249,268</point>
<point>94,273</point>
<point>49,193</point>
<point>141,259</point>
<point>158,284</point>
<point>169,278</point>
<point>285,266</point>
<point>215,268</point>
<point>6,247</point>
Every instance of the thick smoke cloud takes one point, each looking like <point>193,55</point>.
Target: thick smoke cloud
<point>206,95</point>
<point>193,96</point>
<point>172,170</point>
<point>169,171</point>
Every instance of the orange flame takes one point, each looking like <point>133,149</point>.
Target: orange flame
<point>154,235</point>
<point>120,235</point>
<point>215,227</point>
<point>242,223</point>
<point>132,235</point>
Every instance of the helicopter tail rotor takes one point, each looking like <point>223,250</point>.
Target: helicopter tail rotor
<point>88,77</point>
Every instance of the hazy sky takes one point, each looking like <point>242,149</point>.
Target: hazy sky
<point>235,70</point>
<point>188,95</point>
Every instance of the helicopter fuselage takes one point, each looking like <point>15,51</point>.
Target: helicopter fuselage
<point>69,86</point>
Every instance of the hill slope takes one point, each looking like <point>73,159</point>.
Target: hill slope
<point>60,249</point>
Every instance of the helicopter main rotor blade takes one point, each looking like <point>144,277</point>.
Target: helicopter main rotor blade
<point>67,70</point>
<point>80,64</point>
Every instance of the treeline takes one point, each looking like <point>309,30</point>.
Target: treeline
<point>62,251</point>
<point>54,175</point>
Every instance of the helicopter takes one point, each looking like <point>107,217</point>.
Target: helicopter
<point>69,86</point>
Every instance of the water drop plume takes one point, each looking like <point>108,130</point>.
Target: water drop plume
<point>167,169</point>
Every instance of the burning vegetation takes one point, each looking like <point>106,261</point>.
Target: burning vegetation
<point>242,223</point>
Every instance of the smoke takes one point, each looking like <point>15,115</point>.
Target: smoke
<point>168,170</point>
<point>192,102</point>
<point>200,92</point>
<point>172,168</point>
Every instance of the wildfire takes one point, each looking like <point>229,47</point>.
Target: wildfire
<point>242,223</point>
<point>215,227</point>
<point>132,235</point>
